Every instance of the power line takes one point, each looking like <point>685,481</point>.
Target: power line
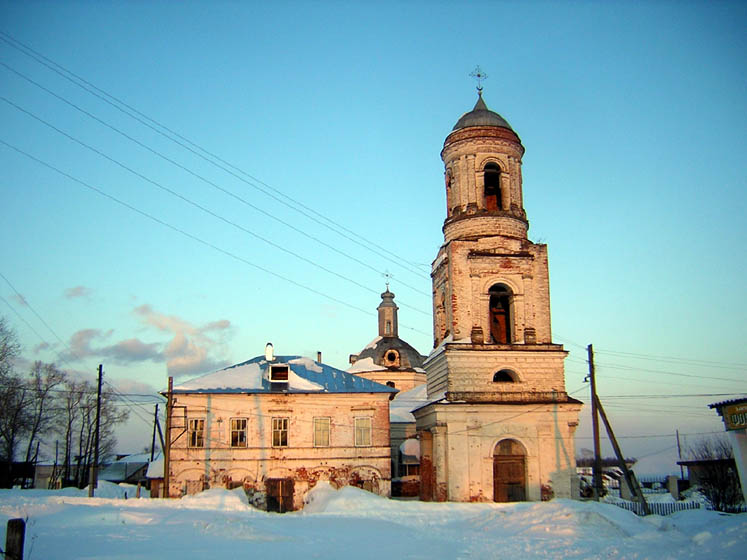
<point>192,236</point>
<point>270,215</point>
<point>195,204</point>
<point>106,97</point>
<point>651,357</point>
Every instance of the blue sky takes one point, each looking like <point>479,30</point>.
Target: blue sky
<point>634,121</point>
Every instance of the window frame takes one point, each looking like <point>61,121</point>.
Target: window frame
<point>359,431</point>
<point>280,428</point>
<point>245,431</point>
<point>196,439</point>
<point>319,421</point>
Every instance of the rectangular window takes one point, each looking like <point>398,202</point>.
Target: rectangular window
<point>363,431</point>
<point>321,432</point>
<point>238,432</point>
<point>280,432</point>
<point>197,432</point>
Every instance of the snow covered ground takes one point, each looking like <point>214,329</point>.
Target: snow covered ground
<point>352,523</point>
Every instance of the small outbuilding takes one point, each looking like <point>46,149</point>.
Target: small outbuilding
<point>734,414</point>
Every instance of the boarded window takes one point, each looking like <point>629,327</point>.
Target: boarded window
<point>197,432</point>
<point>238,432</point>
<point>280,432</point>
<point>363,431</point>
<point>321,432</point>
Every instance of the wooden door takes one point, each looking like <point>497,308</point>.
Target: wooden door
<point>509,472</point>
<point>279,493</point>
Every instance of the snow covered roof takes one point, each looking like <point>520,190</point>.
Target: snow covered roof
<point>401,407</point>
<point>304,376</point>
<point>125,468</point>
<point>155,468</point>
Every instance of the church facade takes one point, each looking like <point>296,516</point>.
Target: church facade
<point>484,417</point>
<point>498,424</point>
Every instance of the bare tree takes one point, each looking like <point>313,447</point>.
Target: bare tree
<point>716,472</point>
<point>9,348</point>
<point>43,381</point>
<point>72,397</point>
<point>77,427</point>
<point>13,402</point>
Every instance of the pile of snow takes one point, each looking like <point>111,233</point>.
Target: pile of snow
<point>365,364</point>
<point>345,523</point>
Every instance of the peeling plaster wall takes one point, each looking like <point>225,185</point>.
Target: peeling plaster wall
<point>217,464</point>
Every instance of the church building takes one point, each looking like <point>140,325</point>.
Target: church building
<point>498,424</point>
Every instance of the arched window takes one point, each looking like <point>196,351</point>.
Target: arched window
<point>504,376</point>
<point>500,314</point>
<point>492,183</point>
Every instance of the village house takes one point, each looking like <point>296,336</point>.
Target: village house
<point>276,425</point>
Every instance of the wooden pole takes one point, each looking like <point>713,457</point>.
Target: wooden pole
<point>679,455</point>
<point>167,448</point>
<point>14,538</point>
<point>153,438</point>
<point>93,482</point>
<point>597,485</point>
<point>630,478</point>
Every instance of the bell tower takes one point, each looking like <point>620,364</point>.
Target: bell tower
<point>495,378</point>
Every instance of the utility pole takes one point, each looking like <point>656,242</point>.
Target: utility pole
<point>167,448</point>
<point>153,439</point>
<point>679,455</point>
<point>597,485</point>
<point>94,467</point>
<point>630,478</point>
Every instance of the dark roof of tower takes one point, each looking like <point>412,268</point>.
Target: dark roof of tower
<point>480,115</point>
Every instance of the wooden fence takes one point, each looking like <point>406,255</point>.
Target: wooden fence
<point>658,508</point>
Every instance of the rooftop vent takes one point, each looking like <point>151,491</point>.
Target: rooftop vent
<point>269,353</point>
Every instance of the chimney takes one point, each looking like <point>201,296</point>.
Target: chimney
<point>319,357</point>
<point>269,354</point>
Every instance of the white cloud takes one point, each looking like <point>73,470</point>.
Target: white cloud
<point>192,348</point>
<point>77,292</point>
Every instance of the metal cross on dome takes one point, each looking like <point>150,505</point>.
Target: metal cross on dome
<point>388,275</point>
<point>479,75</point>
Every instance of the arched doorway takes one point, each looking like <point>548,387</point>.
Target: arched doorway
<point>509,472</point>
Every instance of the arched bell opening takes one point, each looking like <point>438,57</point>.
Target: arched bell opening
<point>492,187</point>
<point>500,314</point>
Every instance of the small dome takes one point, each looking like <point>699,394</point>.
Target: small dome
<point>481,116</point>
<point>393,353</point>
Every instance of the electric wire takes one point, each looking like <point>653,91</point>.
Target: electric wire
<point>240,199</point>
<point>199,206</point>
<point>328,222</point>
